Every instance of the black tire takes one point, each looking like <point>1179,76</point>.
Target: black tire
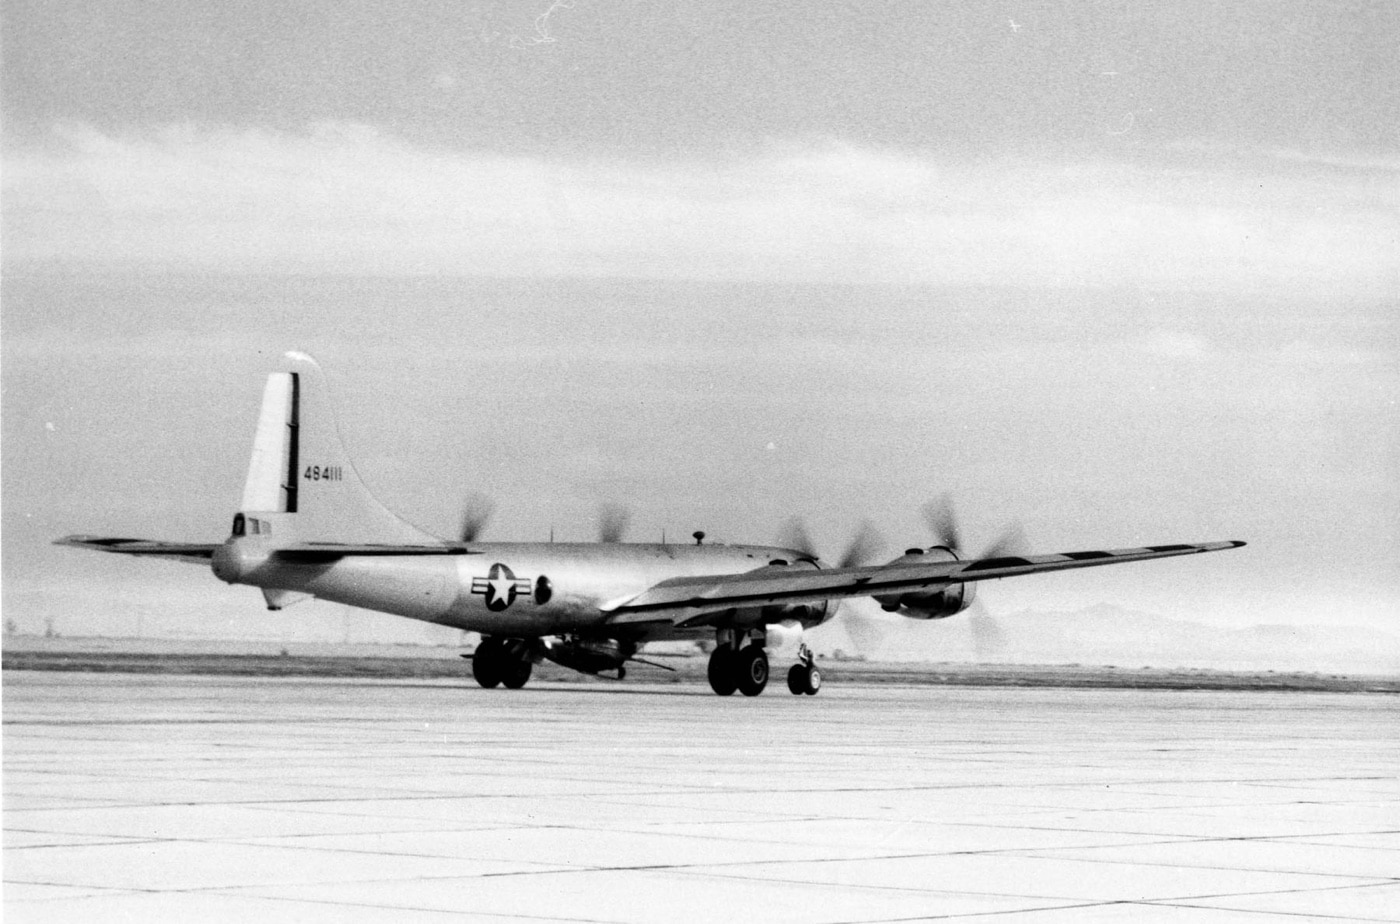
<point>752,670</point>
<point>516,673</point>
<point>486,663</point>
<point>814,680</point>
<point>797,680</point>
<point>722,673</point>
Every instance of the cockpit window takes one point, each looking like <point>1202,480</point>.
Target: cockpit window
<point>240,526</point>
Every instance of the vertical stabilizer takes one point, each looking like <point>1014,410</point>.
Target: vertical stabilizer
<point>301,483</point>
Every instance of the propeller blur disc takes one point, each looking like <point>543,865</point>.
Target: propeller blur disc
<point>612,522</point>
<point>476,513</point>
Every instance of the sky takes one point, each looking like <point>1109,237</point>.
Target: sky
<point>1120,273</point>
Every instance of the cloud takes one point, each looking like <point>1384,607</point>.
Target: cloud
<point>343,197</point>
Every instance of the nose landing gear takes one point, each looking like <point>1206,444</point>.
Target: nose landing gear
<point>804,677</point>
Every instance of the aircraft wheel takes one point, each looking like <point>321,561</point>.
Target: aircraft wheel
<point>516,673</point>
<point>797,680</point>
<point>722,672</point>
<point>804,678</point>
<point>486,663</point>
<point>752,670</point>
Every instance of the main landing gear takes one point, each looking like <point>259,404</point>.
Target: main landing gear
<point>734,668</point>
<point>499,661</point>
<point>735,665</point>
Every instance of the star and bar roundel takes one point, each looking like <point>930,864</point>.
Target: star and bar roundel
<point>500,587</point>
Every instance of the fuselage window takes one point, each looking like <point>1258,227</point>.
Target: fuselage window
<point>543,590</point>
<point>239,525</point>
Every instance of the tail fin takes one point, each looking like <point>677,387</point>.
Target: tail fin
<point>302,486</point>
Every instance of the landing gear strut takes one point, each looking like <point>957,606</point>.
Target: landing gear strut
<point>804,677</point>
<point>498,662</point>
<point>736,666</point>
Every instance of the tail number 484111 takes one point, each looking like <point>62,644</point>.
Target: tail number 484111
<point>324,473</point>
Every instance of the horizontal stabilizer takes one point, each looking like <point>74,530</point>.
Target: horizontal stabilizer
<point>195,552</point>
<point>329,551</point>
<point>201,553</point>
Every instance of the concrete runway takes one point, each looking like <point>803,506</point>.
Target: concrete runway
<point>144,798</point>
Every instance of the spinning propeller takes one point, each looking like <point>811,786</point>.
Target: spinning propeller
<point>867,632</point>
<point>477,509</point>
<point>943,524</point>
<point>864,632</point>
<point>987,637</point>
<point>612,522</point>
<point>863,545</point>
<point>476,513</point>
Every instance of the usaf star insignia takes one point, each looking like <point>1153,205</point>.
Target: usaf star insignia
<point>500,587</point>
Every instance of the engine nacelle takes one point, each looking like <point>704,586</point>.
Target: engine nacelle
<point>803,614</point>
<point>588,656</point>
<point>929,604</point>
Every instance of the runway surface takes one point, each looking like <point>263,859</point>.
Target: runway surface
<point>148,798</point>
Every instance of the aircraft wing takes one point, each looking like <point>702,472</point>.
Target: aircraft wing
<point>197,553</point>
<point>689,601</point>
<point>201,553</point>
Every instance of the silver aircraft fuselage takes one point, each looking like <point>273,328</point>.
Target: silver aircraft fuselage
<point>523,589</point>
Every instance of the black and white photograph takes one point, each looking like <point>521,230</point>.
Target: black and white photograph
<point>616,462</point>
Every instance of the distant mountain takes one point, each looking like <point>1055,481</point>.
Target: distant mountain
<point>1106,634</point>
